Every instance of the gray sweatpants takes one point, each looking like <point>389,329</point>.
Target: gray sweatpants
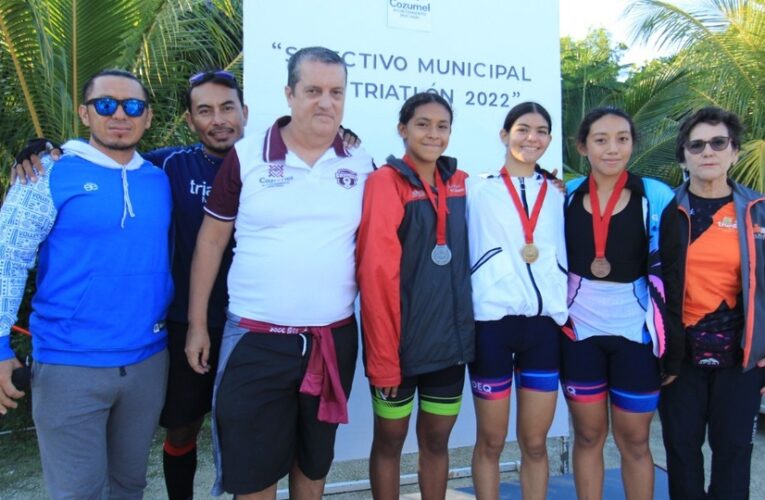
<point>95,426</point>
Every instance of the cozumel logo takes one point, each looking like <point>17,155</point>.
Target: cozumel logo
<point>758,232</point>
<point>90,186</point>
<point>346,178</point>
<point>276,170</point>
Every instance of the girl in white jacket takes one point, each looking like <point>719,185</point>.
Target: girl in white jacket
<point>518,260</point>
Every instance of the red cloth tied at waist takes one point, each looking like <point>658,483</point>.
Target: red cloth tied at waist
<point>322,377</point>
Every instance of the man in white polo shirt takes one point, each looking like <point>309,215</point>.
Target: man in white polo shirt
<point>293,197</point>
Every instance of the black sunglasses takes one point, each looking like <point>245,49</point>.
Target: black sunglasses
<point>107,106</point>
<point>204,76</point>
<point>697,146</point>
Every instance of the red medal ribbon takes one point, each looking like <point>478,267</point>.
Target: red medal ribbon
<point>601,222</point>
<point>528,223</point>
<point>440,207</point>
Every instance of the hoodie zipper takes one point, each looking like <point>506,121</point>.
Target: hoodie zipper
<point>528,266</point>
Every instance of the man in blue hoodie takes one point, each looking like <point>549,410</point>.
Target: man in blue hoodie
<point>100,219</point>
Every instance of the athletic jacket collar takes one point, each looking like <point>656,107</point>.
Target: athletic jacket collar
<point>741,194</point>
<point>446,166</point>
<point>275,150</point>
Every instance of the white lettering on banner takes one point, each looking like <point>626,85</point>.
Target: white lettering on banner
<point>370,90</point>
<point>449,69</point>
<point>469,69</point>
<point>374,61</point>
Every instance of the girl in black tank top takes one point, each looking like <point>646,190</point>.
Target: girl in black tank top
<point>626,246</point>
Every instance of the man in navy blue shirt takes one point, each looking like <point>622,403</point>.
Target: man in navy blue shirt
<point>215,111</point>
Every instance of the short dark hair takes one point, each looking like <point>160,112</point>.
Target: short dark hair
<point>417,100</point>
<point>216,76</point>
<point>88,85</point>
<point>318,54</point>
<point>598,113</point>
<point>525,108</point>
<point>711,115</point>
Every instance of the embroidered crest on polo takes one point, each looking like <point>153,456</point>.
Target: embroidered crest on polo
<point>276,169</point>
<point>90,186</point>
<point>346,178</point>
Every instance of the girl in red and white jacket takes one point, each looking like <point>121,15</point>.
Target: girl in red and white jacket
<point>416,311</point>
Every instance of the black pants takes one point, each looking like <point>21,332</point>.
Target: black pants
<point>723,402</point>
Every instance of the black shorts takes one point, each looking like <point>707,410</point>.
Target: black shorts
<point>189,394</point>
<point>265,424</point>
<point>440,393</point>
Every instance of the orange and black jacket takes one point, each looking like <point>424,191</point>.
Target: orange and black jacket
<point>417,317</point>
<point>750,216</point>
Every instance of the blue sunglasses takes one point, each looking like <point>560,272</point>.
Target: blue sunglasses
<point>107,106</point>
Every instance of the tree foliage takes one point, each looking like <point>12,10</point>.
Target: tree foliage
<point>722,57</point>
<point>590,78</point>
<point>48,48</point>
<point>720,61</point>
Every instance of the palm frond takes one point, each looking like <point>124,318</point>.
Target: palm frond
<point>20,58</point>
<point>750,169</point>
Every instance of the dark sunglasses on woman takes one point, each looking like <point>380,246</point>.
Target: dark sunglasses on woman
<point>697,146</point>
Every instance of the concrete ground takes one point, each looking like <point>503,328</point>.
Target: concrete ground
<point>20,476</point>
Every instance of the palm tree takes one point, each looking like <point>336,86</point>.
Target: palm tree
<point>722,55</point>
<point>48,48</point>
<point>590,71</point>
<point>652,95</point>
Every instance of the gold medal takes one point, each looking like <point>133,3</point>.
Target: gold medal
<point>600,267</point>
<point>529,253</point>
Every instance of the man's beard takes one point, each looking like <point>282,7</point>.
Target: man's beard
<point>217,150</point>
<point>115,147</point>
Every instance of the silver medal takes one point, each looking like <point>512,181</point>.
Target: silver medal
<point>441,255</point>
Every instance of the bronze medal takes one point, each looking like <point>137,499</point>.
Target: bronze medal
<point>529,253</point>
<point>600,267</point>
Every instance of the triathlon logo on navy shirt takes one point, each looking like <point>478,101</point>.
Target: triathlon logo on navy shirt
<point>200,189</point>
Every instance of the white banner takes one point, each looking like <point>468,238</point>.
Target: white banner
<point>484,57</point>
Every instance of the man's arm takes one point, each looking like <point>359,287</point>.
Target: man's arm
<point>212,241</point>
<point>28,163</point>
<point>26,218</point>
